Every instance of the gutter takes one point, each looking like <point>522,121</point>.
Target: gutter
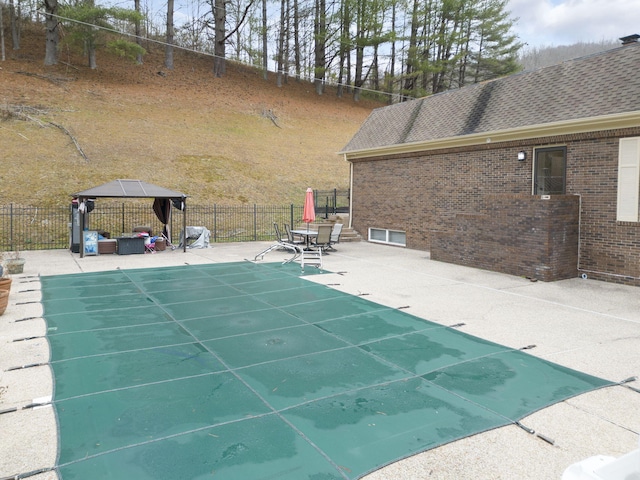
<point>565,127</point>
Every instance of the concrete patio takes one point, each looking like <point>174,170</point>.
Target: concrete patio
<point>590,326</point>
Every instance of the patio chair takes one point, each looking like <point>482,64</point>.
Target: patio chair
<point>335,236</point>
<point>281,243</point>
<point>279,237</point>
<point>291,238</point>
<point>323,240</point>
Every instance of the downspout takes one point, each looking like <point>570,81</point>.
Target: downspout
<point>579,230</point>
<point>585,272</point>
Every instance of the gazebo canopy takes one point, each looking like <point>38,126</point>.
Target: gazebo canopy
<point>129,189</point>
<point>138,189</point>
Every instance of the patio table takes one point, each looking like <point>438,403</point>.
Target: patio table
<point>307,234</point>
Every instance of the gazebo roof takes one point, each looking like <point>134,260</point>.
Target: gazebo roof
<point>129,189</point>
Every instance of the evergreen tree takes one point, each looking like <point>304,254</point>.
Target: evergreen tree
<point>88,27</point>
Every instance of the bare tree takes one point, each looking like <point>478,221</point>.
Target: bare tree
<point>51,26</point>
<point>265,41</point>
<point>220,17</point>
<point>296,39</point>
<point>320,39</point>
<point>280,53</point>
<point>138,31</point>
<point>168,51</point>
<point>2,57</point>
<point>15,25</point>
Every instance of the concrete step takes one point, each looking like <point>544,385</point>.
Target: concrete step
<point>350,235</point>
<point>347,234</point>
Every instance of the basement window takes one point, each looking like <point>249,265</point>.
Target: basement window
<point>391,237</point>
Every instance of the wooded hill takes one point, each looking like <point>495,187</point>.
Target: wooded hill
<point>236,139</point>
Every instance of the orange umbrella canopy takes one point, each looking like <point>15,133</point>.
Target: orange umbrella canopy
<point>309,211</point>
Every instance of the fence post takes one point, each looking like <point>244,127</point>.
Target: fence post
<point>11,226</point>
<point>255,222</point>
<point>215,222</point>
<point>291,214</point>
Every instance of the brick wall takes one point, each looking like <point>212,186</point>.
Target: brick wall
<point>427,194</point>
<point>516,234</point>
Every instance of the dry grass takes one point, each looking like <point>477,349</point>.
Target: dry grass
<point>184,129</point>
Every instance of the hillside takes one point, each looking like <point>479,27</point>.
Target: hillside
<point>184,129</point>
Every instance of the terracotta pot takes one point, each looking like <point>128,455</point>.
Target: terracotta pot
<point>14,265</point>
<point>5,283</point>
<point>4,300</point>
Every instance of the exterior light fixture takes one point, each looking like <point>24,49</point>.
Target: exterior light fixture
<point>522,156</point>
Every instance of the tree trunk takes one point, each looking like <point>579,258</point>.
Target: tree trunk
<point>360,31</point>
<point>265,43</point>
<point>51,25</point>
<point>344,48</point>
<point>168,51</point>
<point>287,43</point>
<point>392,67</point>
<point>15,29</point>
<point>280,54</point>
<point>138,31</point>
<point>219,62</point>
<point>296,39</point>
<point>409,71</point>
<point>320,34</point>
<point>2,56</point>
<point>92,57</point>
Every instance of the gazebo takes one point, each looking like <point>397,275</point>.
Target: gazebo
<point>163,199</point>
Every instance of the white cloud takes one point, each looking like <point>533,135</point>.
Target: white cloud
<point>564,22</point>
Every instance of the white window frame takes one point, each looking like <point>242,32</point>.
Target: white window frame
<point>387,236</point>
<point>628,204</point>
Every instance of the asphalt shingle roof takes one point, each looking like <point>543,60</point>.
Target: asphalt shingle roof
<point>601,84</point>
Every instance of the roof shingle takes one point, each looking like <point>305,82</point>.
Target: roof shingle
<point>605,83</point>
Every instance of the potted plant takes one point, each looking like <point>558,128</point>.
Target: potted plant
<point>14,263</point>
<point>5,280</point>
<point>4,300</point>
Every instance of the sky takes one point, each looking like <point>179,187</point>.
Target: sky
<point>565,22</point>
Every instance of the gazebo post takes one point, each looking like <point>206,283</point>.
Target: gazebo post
<point>82,221</point>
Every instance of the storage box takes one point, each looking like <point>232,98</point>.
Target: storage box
<point>107,246</point>
<point>129,246</point>
<point>161,244</point>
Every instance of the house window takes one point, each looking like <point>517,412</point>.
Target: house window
<point>549,171</point>
<point>628,179</point>
<point>392,237</point>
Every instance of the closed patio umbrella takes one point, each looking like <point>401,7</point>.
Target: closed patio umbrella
<point>309,211</point>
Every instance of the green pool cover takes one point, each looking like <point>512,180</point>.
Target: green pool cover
<point>249,371</point>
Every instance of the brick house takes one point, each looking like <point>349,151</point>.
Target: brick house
<point>536,174</point>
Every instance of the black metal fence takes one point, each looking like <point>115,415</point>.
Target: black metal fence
<point>330,202</point>
<point>42,228</point>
